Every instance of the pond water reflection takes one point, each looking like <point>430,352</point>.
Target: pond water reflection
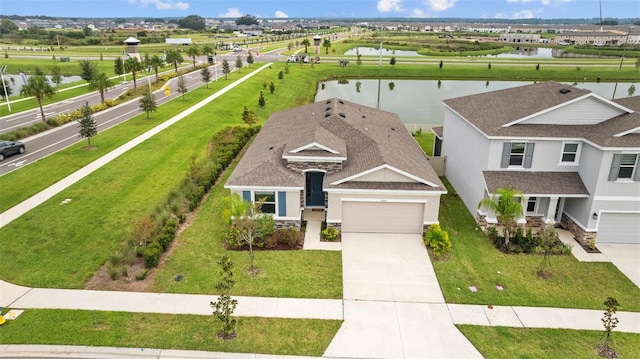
<point>420,101</point>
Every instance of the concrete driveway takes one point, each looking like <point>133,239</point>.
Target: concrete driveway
<point>393,305</point>
<point>624,256</point>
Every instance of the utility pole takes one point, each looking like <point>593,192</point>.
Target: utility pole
<point>380,61</point>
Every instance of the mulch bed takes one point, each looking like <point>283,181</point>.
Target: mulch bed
<point>587,248</point>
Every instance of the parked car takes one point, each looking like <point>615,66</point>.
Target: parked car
<point>8,148</point>
<point>237,49</point>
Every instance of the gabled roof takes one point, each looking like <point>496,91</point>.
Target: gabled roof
<point>369,138</point>
<point>501,114</point>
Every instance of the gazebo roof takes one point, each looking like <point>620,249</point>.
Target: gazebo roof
<point>131,41</point>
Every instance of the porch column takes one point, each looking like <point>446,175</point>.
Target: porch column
<point>523,219</point>
<point>550,216</point>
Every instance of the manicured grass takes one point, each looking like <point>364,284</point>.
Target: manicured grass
<point>425,140</point>
<point>301,274</point>
<point>475,262</point>
<point>164,331</point>
<point>503,342</point>
<point>79,236</point>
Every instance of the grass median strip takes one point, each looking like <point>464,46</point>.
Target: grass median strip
<point>504,342</point>
<point>166,331</point>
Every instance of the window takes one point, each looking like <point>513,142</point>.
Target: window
<point>531,204</point>
<point>627,165</point>
<point>269,198</point>
<point>569,153</point>
<point>516,157</point>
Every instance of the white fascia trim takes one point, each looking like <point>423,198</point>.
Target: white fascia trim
<point>555,195</point>
<point>314,159</point>
<point>590,94</point>
<point>383,200</point>
<point>633,130</point>
<point>385,166</point>
<point>617,198</point>
<point>262,188</point>
<point>314,144</point>
<point>385,191</point>
<point>334,221</point>
<point>616,211</point>
<point>286,218</point>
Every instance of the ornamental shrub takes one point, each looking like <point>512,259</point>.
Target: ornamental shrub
<point>329,234</point>
<point>151,254</point>
<point>438,239</point>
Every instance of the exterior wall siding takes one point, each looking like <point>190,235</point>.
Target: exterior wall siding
<point>299,167</point>
<point>467,153</point>
<point>588,111</point>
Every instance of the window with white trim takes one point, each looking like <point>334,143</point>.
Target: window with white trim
<point>269,204</point>
<point>516,156</point>
<point>627,166</point>
<point>570,152</point>
<point>531,204</point>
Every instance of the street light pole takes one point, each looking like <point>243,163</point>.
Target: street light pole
<point>625,47</point>
<point>4,86</point>
<point>149,77</point>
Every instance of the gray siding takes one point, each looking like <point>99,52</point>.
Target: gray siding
<point>588,111</point>
<point>467,153</point>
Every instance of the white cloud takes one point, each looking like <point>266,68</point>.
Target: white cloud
<point>545,2</point>
<point>440,5</point>
<point>231,12</point>
<point>524,14</point>
<point>162,4</point>
<point>521,1</point>
<point>390,5</point>
<point>281,14</point>
<point>418,13</point>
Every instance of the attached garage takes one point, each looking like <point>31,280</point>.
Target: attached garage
<point>619,228</point>
<point>382,217</point>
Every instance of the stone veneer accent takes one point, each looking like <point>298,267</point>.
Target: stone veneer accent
<point>580,234</point>
<point>337,226</point>
<point>299,166</point>
<point>532,221</point>
<point>288,224</point>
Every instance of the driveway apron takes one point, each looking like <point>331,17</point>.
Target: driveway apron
<point>393,305</point>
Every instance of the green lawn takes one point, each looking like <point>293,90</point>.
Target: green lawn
<point>504,342</point>
<point>165,331</point>
<point>475,262</point>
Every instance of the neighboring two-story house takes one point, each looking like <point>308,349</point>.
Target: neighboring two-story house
<point>573,154</point>
<point>359,164</point>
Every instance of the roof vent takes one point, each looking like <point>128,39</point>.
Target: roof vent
<point>327,114</point>
<point>564,91</point>
<point>363,116</point>
<point>328,102</point>
<point>393,129</point>
<point>343,115</point>
<point>270,148</point>
<point>328,108</point>
<point>341,102</point>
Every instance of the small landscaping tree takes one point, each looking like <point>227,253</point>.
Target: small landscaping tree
<point>306,43</point>
<point>286,68</point>
<point>238,63</point>
<point>205,75</point>
<point>392,61</point>
<point>148,103</point>
<point>326,43</point>
<point>261,102</point>
<point>223,307</point>
<point>249,117</point>
<point>133,65</point>
<point>225,68</point>
<point>441,64</point>
<point>87,69</point>
<point>174,57</point>
<point>155,62</point>
<point>547,238</point>
<point>38,86</point>
<point>182,86</point>
<point>102,83</point>
<point>506,203</point>
<point>610,322</point>
<point>245,222</point>
<point>489,66</point>
<point>87,124</point>
<point>250,59</point>
<point>56,75</point>
<point>193,51</point>
<point>272,87</point>
<point>118,66</point>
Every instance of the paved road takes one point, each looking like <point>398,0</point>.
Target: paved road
<point>49,142</point>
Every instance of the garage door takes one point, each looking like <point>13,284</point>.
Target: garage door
<point>382,217</point>
<point>619,228</point>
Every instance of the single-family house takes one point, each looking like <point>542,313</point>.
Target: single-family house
<point>574,155</point>
<point>358,164</point>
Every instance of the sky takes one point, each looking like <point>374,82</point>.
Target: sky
<point>481,9</point>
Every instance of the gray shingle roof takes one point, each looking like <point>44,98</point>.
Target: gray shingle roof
<point>371,138</point>
<point>490,111</point>
<point>537,183</point>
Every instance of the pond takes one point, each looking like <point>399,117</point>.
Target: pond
<point>519,52</point>
<point>420,101</point>
<point>15,82</point>
<point>370,51</point>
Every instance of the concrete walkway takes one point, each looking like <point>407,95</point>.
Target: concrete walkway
<point>312,235</point>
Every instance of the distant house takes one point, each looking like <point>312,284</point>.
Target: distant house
<point>359,165</point>
<point>591,38</point>
<point>520,38</point>
<point>573,154</point>
<point>178,41</point>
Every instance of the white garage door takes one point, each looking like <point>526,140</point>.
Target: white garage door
<point>382,217</point>
<point>619,228</point>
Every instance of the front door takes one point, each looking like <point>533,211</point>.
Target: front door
<point>314,196</point>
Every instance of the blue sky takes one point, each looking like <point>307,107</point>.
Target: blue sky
<point>489,9</point>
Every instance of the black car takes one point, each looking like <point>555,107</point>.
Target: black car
<point>8,148</point>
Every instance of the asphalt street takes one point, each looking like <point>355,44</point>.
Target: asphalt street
<point>46,143</point>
